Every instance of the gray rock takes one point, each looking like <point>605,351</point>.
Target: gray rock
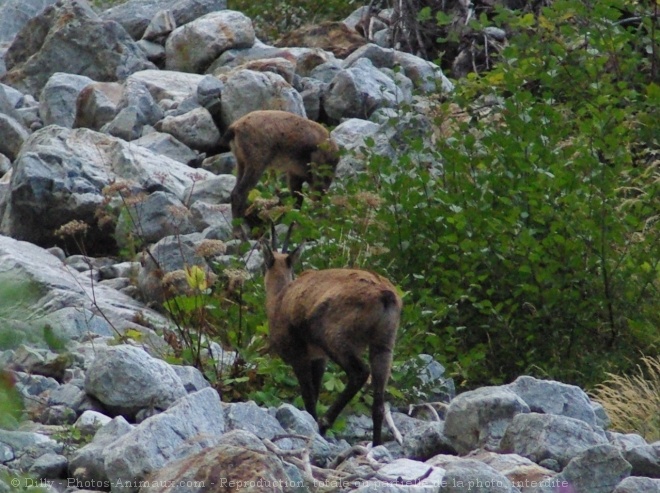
<point>247,90</point>
<point>191,377</point>
<point>645,460</point>
<point>426,441</point>
<point>136,15</point>
<point>403,475</point>
<point>216,216</point>
<point>523,473</point>
<point>216,190</point>
<point>49,466</point>
<point>167,145</point>
<point>14,14</point>
<point>358,91</point>
<point>300,422</point>
<point>479,418</point>
<point>597,469</point>
<point>27,447</point>
<point>160,214</point>
<point>87,463</point>
<point>433,384</point>
<point>49,43</point>
<point>351,135</point>
<point>209,90</point>
<point>249,417</point>
<point>154,52</point>
<point>546,436</point>
<point>426,76</point>
<point>126,379</point>
<point>96,104</point>
<point>379,57</point>
<point>193,47</point>
<point>57,103</point>
<point>14,135</point>
<point>90,422</point>
<point>126,125</point>
<point>602,419</point>
<point>196,129</point>
<point>5,165</point>
<point>467,474</point>
<point>193,423</point>
<point>545,396</point>
<point>627,441</point>
<point>220,164</point>
<point>638,485</point>
<point>60,176</point>
<point>168,85</point>
<point>162,24</point>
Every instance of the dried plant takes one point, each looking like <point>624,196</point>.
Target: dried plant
<point>633,402</point>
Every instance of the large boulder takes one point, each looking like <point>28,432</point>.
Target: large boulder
<point>69,37</point>
<point>479,418</point>
<point>60,176</point>
<point>125,379</point>
<point>57,103</point>
<point>14,14</point>
<point>541,437</point>
<point>194,423</point>
<point>136,15</point>
<point>193,47</point>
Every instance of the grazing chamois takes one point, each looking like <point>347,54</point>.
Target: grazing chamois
<point>332,314</point>
<point>284,141</point>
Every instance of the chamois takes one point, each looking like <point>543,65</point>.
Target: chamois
<point>285,141</point>
<point>332,314</point>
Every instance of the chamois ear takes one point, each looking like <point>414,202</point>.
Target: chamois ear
<point>294,256</point>
<point>269,258</point>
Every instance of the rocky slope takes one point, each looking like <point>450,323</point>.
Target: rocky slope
<point>100,108</point>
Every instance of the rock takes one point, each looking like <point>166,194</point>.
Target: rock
<point>13,134</point>
<point>126,379</point>
<point>193,380</point>
<point>169,255</point>
<point>638,485</point>
<point>298,422</point>
<point>49,466</point>
<point>216,190</point>
<point>192,48</point>
<point>249,417</point>
<point>57,103</point>
<point>60,176</point>
<point>546,436</point>
<point>160,214</point>
<point>426,76</point>
<point>136,15</point>
<point>523,473</point>
<point>51,42</point>
<point>596,470</point>
<point>96,104</point>
<point>194,423</point>
<point>196,129</point>
<point>87,463</point>
<point>379,57</point>
<point>405,472</point>
<point>336,37</point>
<point>90,422</point>
<point>136,95</point>
<point>479,418</point>
<point>167,145</point>
<point>358,91</point>
<point>645,460</point>
<point>426,441</point>
<point>543,396</point>
<point>168,85</point>
<point>161,25</point>
<point>352,135</point>
<point>215,216</point>
<point>278,65</point>
<point>14,14</point>
<point>225,467</point>
<point>27,447</point>
<point>246,91</point>
<point>430,374</point>
<point>467,474</point>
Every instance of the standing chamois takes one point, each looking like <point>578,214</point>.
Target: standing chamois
<point>332,314</point>
<point>285,141</point>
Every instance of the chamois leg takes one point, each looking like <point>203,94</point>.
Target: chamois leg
<point>295,183</point>
<point>380,361</point>
<point>318,369</point>
<point>304,371</point>
<point>357,373</point>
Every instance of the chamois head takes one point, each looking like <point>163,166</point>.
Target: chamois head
<point>332,314</point>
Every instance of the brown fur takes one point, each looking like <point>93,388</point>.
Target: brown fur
<point>285,141</point>
<point>332,314</point>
